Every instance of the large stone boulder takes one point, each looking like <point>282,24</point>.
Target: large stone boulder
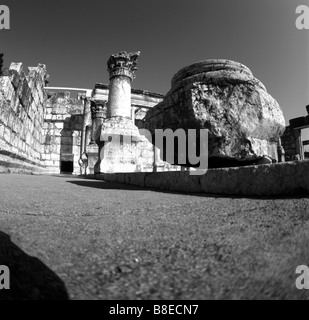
<point>223,96</point>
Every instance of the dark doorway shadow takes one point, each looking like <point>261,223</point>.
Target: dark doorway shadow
<point>70,125</point>
<point>30,279</point>
<point>66,147</point>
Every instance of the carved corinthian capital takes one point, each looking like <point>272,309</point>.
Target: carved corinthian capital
<point>123,64</point>
<point>98,109</point>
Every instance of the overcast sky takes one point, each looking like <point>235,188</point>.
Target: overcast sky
<point>75,39</point>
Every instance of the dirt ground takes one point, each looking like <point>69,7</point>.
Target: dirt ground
<point>69,237</point>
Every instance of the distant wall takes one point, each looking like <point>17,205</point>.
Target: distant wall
<point>62,133</point>
<point>291,142</point>
<point>22,100</point>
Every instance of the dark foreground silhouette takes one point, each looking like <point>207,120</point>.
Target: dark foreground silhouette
<point>30,279</point>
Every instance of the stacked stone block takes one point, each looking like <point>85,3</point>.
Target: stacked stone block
<point>291,140</point>
<point>22,100</point>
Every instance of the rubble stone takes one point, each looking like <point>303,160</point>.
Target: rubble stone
<point>223,96</point>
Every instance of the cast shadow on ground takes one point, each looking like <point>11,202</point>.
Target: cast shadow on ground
<point>30,279</point>
<point>100,184</point>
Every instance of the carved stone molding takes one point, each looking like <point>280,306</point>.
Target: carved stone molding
<point>123,64</point>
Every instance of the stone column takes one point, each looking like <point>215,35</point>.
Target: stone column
<point>133,114</point>
<point>98,112</point>
<point>121,68</point>
<point>83,159</point>
<point>98,109</point>
<point>86,122</point>
<point>121,146</point>
<point>280,151</point>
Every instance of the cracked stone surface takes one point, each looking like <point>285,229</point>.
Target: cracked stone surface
<point>224,97</point>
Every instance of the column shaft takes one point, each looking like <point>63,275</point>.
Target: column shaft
<point>119,97</point>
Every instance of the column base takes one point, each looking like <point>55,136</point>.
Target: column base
<point>92,153</point>
<point>123,149</point>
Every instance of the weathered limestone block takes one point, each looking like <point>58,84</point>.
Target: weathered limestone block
<point>6,88</point>
<point>17,66</point>
<point>243,120</point>
<point>33,77</point>
<point>15,102</point>
<point>4,108</point>
<point>25,96</point>
<point>37,75</point>
<point>16,74</point>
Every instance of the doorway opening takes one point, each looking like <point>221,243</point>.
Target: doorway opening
<point>66,167</point>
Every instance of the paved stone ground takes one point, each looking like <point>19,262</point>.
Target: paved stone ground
<point>99,240</point>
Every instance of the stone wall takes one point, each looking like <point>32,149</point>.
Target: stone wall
<point>62,133</point>
<point>280,179</point>
<point>290,141</point>
<point>22,101</point>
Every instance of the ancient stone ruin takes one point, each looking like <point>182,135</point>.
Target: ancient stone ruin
<point>293,146</point>
<point>23,101</point>
<point>51,132</point>
<point>121,147</point>
<point>112,128</point>
<point>243,120</point>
